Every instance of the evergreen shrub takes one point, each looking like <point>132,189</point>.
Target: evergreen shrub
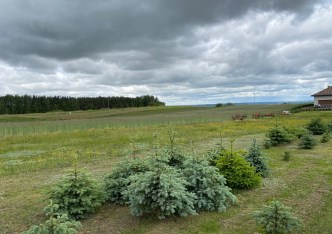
<point>208,185</point>
<point>279,135</point>
<point>56,224</point>
<point>298,132</point>
<point>172,154</point>
<point>238,172</point>
<point>286,155</point>
<point>329,127</point>
<point>256,159</point>
<point>307,142</point>
<point>212,155</point>
<point>325,138</point>
<point>161,192</point>
<point>316,126</point>
<point>117,181</point>
<point>77,194</point>
<point>276,218</point>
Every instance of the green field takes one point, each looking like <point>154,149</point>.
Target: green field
<point>37,149</point>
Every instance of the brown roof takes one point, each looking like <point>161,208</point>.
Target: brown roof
<point>324,92</point>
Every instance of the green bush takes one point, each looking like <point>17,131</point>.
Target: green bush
<point>212,155</point>
<point>56,224</point>
<point>161,192</point>
<point>267,143</point>
<point>208,186</point>
<point>238,172</point>
<point>329,127</point>
<point>255,158</point>
<point>307,142</point>
<point>325,138</point>
<point>279,135</point>
<point>316,126</point>
<point>298,131</point>
<point>172,154</point>
<point>286,155</point>
<point>77,194</point>
<point>117,182</point>
<point>276,218</point>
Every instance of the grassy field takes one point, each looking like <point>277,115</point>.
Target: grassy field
<point>36,149</point>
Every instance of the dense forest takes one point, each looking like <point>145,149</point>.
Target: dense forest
<point>15,104</point>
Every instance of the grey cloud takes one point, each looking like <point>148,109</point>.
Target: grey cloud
<point>176,49</point>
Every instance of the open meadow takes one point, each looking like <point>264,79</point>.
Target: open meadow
<point>37,149</point>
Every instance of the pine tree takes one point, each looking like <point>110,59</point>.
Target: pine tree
<point>255,158</point>
<point>276,218</point>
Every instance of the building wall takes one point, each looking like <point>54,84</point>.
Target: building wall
<point>316,99</point>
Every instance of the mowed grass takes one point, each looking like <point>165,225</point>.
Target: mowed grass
<point>31,162</point>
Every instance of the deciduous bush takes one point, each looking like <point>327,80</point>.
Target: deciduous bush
<point>256,159</point>
<point>77,194</point>
<point>307,142</point>
<point>316,126</point>
<point>117,181</point>
<point>161,192</point>
<point>56,224</point>
<point>279,135</point>
<point>238,172</point>
<point>276,218</point>
<point>208,185</point>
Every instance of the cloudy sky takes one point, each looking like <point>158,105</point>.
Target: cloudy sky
<point>182,51</point>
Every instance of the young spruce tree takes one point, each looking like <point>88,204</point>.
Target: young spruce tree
<point>255,158</point>
<point>276,218</point>
<point>238,172</point>
<point>57,223</point>
<point>208,185</point>
<point>77,194</point>
<point>161,192</point>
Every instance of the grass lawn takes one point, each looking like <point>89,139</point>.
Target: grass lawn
<point>37,149</point>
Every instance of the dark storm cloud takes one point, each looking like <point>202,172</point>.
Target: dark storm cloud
<point>76,29</point>
<point>166,47</point>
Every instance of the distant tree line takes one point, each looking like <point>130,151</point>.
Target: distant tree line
<point>16,104</point>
